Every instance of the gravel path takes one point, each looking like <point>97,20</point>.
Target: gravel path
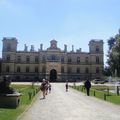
<point>71,105</point>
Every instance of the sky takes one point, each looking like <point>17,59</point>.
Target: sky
<point>71,22</point>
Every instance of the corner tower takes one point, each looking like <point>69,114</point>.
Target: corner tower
<point>96,58</point>
<point>9,44</point>
<point>96,46</point>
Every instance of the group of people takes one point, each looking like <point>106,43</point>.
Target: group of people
<point>45,86</point>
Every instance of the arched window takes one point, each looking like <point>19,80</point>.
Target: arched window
<point>97,59</point>
<point>97,70</point>
<point>7,68</point>
<point>18,69</point>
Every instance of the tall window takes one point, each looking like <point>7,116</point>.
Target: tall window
<point>69,60</point>
<point>27,58</point>
<point>8,46</point>
<point>62,69</point>
<point>7,68</point>
<point>18,58</point>
<point>27,69</point>
<point>97,70</point>
<point>97,59</point>
<point>36,59</point>
<point>36,69</point>
<point>8,57</point>
<point>69,70</point>
<point>18,69</point>
<point>53,57</point>
<point>86,70</point>
<point>78,59</point>
<point>62,59</point>
<point>43,69</point>
<point>86,60</point>
<point>97,48</point>
<point>43,58</point>
<point>78,70</point>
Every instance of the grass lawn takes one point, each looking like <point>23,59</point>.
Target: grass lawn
<point>99,92</point>
<point>12,114</point>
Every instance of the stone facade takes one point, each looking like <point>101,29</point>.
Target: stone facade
<point>53,63</point>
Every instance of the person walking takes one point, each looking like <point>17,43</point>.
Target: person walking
<point>66,85</point>
<point>43,88</point>
<point>87,85</point>
<point>46,86</point>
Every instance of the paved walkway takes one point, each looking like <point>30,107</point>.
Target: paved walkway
<point>71,105</point>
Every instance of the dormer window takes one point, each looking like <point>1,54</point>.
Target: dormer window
<point>53,44</point>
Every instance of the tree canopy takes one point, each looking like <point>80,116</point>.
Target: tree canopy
<point>114,55</point>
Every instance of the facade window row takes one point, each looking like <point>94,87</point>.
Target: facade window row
<point>36,70</point>
<point>53,58</point>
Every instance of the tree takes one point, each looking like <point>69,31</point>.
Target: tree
<point>111,42</point>
<point>114,54</point>
<point>0,66</point>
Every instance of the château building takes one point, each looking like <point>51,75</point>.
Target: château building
<point>52,63</point>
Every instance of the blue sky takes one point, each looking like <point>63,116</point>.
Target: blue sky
<point>71,22</point>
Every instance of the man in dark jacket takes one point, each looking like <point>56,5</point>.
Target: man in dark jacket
<point>87,86</point>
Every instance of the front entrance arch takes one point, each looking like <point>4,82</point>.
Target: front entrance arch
<point>53,75</point>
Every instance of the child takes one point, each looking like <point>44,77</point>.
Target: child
<point>66,86</point>
<point>49,88</point>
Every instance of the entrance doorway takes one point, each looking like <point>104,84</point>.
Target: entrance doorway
<point>53,75</point>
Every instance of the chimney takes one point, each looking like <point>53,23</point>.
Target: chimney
<point>41,47</point>
<point>65,48</point>
<point>25,47</point>
<point>72,48</point>
<point>32,48</point>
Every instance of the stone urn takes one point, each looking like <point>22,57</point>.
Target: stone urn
<point>9,97</point>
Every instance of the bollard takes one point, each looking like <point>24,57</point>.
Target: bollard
<point>34,92</point>
<point>118,90</point>
<point>30,95</point>
<point>82,88</point>
<point>94,92</point>
<point>104,96</point>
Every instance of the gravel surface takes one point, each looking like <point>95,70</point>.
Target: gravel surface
<point>71,105</point>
